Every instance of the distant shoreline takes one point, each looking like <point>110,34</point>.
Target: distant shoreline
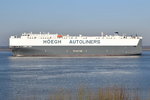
<point>148,49</point>
<point>2,49</point>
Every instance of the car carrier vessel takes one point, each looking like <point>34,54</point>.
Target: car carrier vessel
<point>57,45</point>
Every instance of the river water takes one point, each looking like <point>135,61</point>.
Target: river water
<point>40,76</point>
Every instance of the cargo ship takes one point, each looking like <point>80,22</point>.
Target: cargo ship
<point>57,45</point>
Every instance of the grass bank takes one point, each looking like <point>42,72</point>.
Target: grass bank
<point>84,93</point>
<point>110,93</point>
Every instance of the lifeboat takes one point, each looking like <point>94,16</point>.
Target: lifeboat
<point>59,36</point>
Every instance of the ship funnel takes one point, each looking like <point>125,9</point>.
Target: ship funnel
<point>117,33</point>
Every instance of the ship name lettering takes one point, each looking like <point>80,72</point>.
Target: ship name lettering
<point>51,41</point>
<point>84,42</point>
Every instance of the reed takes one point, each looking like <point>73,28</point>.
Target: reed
<point>84,93</point>
<point>109,93</point>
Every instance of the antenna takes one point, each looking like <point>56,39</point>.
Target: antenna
<point>102,33</point>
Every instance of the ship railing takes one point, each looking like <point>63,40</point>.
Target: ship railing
<point>14,36</point>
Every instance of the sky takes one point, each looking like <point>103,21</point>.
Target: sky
<point>74,17</point>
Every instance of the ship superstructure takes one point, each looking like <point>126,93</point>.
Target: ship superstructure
<point>29,44</point>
